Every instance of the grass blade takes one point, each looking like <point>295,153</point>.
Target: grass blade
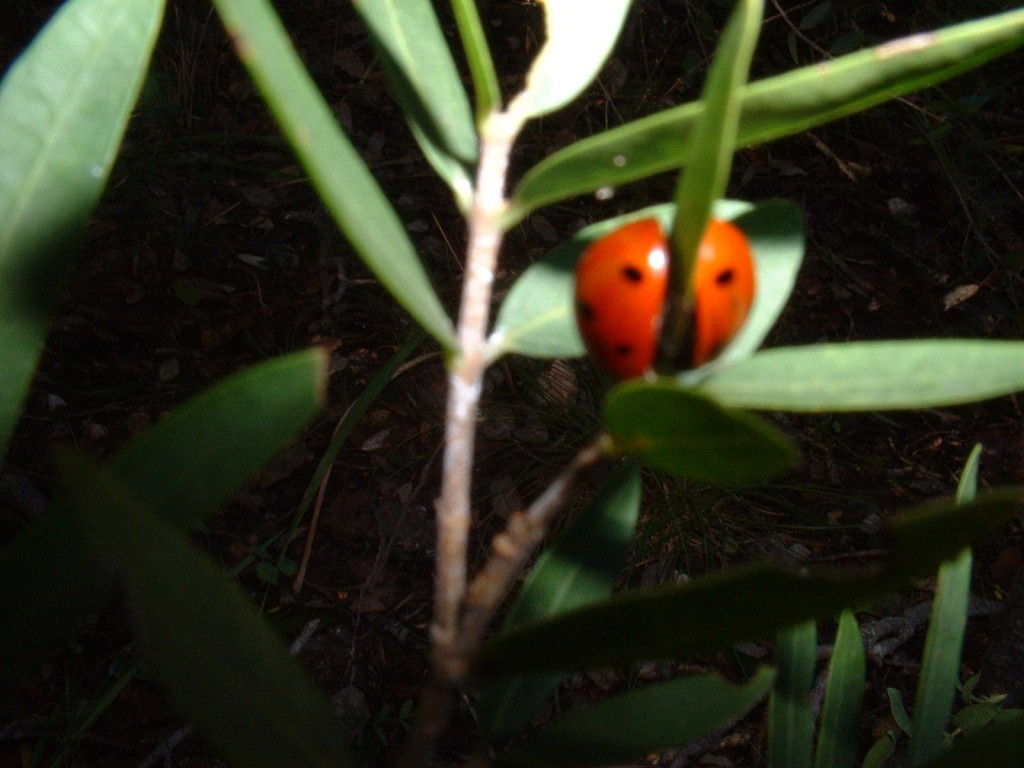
<point>790,720</point>
<point>844,698</point>
<point>940,665</point>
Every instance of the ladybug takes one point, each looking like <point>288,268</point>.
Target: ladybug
<point>724,287</point>
<point>621,286</point>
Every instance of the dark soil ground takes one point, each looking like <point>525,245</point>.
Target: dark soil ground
<point>209,254</point>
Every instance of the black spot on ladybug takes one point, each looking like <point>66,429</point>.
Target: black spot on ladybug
<point>584,311</point>
<point>623,350</point>
<point>725,277</point>
<point>632,274</point>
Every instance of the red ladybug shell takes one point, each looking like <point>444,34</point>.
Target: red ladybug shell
<point>621,283</point>
<point>723,289</point>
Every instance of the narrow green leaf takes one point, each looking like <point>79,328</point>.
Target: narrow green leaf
<point>579,568</point>
<point>672,428</point>
<point>182,468</point>
<point>844,697</point>
<point>898,710</point>
<point>871,375</point>
<point>772,108</point>
<point>711,159</point>
<point>478,56</point>
<point>998,745</point>
<point>415,55</point>
<point>200,637</point>
<point>61,122</point>
<point>624,729</point>
<point>351,419</point>
<point>880,751</point>
<point>580,35</point>
<point>742,603</point>
<point>967,488</point>
<point>341,178</point>
<point>536,319</point>
<point>940,664</point>
<point>790,719</point>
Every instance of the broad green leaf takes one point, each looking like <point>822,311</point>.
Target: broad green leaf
<point>844,698</point>
<point>64,105</point>
<point>679,431</point>
<point>790,719</point>
<point>579,568</point>
<point>998,745</point>
<point>772,108</point>
<point>708,173</point>
<point>182,468</point>
<point>415,55</point>
<point>940,664</point>
<point>871,375</point>
<point>341,178</point>
<point>478,56</point>
<point>200,637</point>
<point>626,728</point>
<point>741,603</point>
<point>537,318</point>
<point>579,36</point>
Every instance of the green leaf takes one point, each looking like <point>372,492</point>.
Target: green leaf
<point>772,108</point>
<point>741,603</point>
<point>415,55</point>
<point>871,375</point>
<point>342,180</point>
<point>967,488</point>
<point>844,696</point>
<point>537,318</point>
<point>973,718</point>
<point>790,719</point>
<point>349,421</point>
<point>183,468</point>
<point>579,568</point>
<point>880,751</point>
<point>625,728</point>
<point>200,637</point>
<point>580,35</point>
<point>711,159</point>
<point>940,665</point>
<point>61,123</point>
<point>998,745</point>
<point>674,429</point>
<point>478,56</point>
<point>898,710</point>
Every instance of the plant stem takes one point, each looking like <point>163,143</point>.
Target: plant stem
<point>465,380</point>
<point>465,383</point>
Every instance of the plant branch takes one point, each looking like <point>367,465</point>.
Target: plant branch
<point>465,383</point>
<point>465,380</point>
<point>511,549</point>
